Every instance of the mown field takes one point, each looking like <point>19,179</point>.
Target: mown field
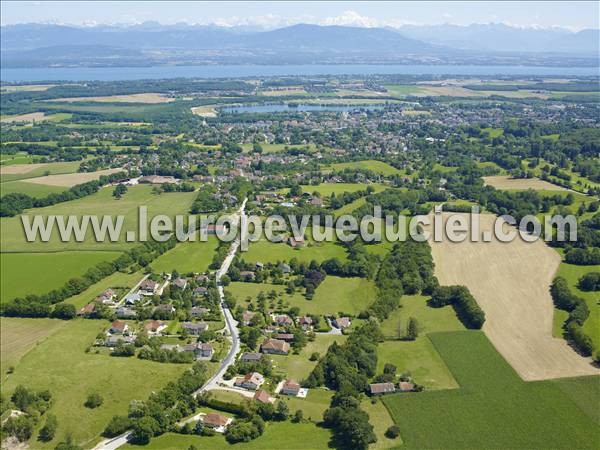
<point>31,189</point>
<point>369,164</point>
<point>61,365</point>
<point>494,408</point>
<point>100,203</point>
<point>326,189</point>
<point>335,294</point>
<point>265,251</point>
<point>38,273</point>
<point>187,257</point>
<point>16,172</point>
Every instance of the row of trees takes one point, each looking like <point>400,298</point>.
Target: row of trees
<point>465,305</point>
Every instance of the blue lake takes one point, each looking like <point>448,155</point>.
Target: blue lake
<point>162,72</point>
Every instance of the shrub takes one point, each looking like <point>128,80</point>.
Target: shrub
<point>392,432</point>
<point>93,401</point>
<point>48,431</point>
<point>117,425</point>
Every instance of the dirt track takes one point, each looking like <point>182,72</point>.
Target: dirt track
<point>510,282</point>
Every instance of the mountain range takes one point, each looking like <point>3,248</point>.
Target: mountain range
<point>152,43</point>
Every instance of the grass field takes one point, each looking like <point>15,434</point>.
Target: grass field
<point>38,273</point>
<point>380,418</point>
<point>117,280</point>
<point>147,97</point>
<point>101,203</point>
<point>494,408</point>
<point>265,251</point>
<point>370,164</point>
<point>276,148</point>
<point>572,274</point>
<point>61,365</point>
<point>31,189</point>
<point>510,281</point>
<point>187,257</point>
<point>403,90</point>
<point>313,406</point>
<point>326,189</point>
<point>18,336</point>
<point>16,172</point>
<point>70,179</point>
<point>277,435</point>
<point>350,295</point>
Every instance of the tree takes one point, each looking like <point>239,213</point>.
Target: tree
<point>298,416</point>
<point>412,329</point>
<point>392,432</point>
<point>282,411</point>
<point>117,425</point>
<point>64,311</point>
<point>48,431</point>
<point>144,429</point>
<point>93,400</point>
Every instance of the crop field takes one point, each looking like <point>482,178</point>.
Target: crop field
<point>403,90</point>
<point>277,435</point>
<point>101,203</point>
<point>494,408</point>
<point>31,189</point>
<point>147,97</point>
<point>350,295</point>
<point>505,182</point>
<point>18,336</point>
<point>510,281</point>
<point>370,164</point>
<point>70,179</point>
<point>38,273</point>
<point>61,365</point>
<point>572,274</point>
<point>22,171</point>
<point>187,257</point>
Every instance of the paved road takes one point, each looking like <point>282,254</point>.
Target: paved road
<point>231,325</point>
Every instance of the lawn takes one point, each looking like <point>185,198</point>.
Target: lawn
<point>326,189</point>
<point>265,251</point>
<point>369,164</point>
<point>18,336</point>
<point>572,273</point>
<point>100,203</point>
<point>38,273</point>
<point>61,365</point>
<point>494,408</point>
<point>313,406</point>
<point>277,435</point>
<point>31,189</point>
<point>380,418</point>
<point>125,281</point>
<point>187,257</point>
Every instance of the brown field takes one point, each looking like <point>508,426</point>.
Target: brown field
<point>70,179</point>
<point>520,184</point>
<point>205,111</point>
<point>510,281</point>
<point>149,98</point>
<point>18,169</point>
<point>31,117</point>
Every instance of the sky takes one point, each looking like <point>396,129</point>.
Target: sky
<point>540,14</point>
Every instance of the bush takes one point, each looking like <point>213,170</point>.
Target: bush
<point>64,311</point>
<point>392,432</point>
<point>48,431</point>
<point>117,425</point>
<point>93,401</point>
<point>589,282</point>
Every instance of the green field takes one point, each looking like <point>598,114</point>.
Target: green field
<point>61,365</point>
<point>275,148</point>
<point>380,418</point>
<point>46,169</point>
<point>187,257</point>
<point>8,159</point>
<point>326,189</point>
<point>403,90</point>
<point>265,251</point>
<point>369,164</point>
<point>494,408</point>
<point>38,273</point>
<point>591,327</point>
<point>349,295</point>
<point>277,435</point>
<point>100,203</point>
<point>32,189</point>
<point>125,281</point>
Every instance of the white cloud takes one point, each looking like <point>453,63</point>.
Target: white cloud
<point>351,18</point>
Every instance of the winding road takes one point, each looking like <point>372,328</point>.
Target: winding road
<point>230,323</point>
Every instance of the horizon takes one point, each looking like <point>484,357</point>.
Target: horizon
<point>273,15</point>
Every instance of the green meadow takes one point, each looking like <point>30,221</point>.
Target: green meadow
<point>38,273</point>
<point>493,407</point>
<point>265,251</point>
<point>369,164</point>
<point>46,169</point>
<point>187,257</point>
<point>32,189</point>
<point>61,364</point>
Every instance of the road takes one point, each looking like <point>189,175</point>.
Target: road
<point>230,323</point>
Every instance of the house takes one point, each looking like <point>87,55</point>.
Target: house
<point>288,337</point>
<point>202,278</point>
<point>113,341</point>
<point>305,322</point>
<point>405,386</point>
<point>194,328</point>
<point>247,317</point>
<point>382,388</point>
<point>180,283</point>
<point>341,322</point>
<point>125,313</point>
<point>250,357</point>
<point>108,296</point>
<point>259,265</point>
<point>216,421</point>
<point>262,396</point>
<point>199,349</point>
<point>198,311</point>
<point>165,308</point>
<point>250,381</point>
<point>148,287</point>
<point>133,298</point>
<point>296,242</point>
<point>316,201</point>
<point>118,327</point>
<point>247,275</point>
<point>283,320</point>
<point>275,347</point>
<point>200,291</point>
<point>87,309</point>
<point>155,327</point>
<point>217,230</point>
<point>290,387</point>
